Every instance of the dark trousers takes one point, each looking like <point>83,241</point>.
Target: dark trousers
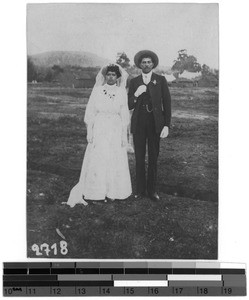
<point>146,135</point>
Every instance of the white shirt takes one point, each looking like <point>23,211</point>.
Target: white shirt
<point>147,77</point>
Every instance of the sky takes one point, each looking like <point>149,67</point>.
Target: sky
<point>106,29</point>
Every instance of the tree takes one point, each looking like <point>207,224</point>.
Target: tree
<point>216,73</point>
<point>57,69</point>
<point>123,60</point>
<point>205,70</point>
<point>209,74</point>
<point>41,73</point>
<point>49,76</point>
<point>31,70</point>
<point>185,62</point>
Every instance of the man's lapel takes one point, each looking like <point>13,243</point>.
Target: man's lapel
<point>152,85</point>
<point>140,80</point>
<point>153,78</point>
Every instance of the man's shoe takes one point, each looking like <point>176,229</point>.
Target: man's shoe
<point>154,197</point>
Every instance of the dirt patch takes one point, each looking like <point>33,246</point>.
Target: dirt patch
<point>189,115</point>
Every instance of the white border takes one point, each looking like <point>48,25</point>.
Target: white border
<point>233,129</point>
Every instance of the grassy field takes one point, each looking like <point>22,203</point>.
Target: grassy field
<point>183,225</point>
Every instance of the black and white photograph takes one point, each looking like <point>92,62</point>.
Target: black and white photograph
<point>122,130</point>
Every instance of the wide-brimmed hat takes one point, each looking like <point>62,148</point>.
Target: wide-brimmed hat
<point>145,53</point>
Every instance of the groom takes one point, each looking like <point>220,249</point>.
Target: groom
<point>150,98</point>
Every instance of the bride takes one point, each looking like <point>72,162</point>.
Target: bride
<point>105,170</point>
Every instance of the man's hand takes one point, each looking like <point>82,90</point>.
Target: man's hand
<point>164,132</point>
<point>140,90</point>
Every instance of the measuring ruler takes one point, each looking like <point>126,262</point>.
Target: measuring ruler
<point>133,278</point>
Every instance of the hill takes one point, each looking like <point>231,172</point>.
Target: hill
<point>65,58</point>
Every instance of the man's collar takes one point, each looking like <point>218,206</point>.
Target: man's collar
<point>147,74</point>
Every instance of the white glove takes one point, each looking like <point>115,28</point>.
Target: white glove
<point>140,90</point>
<point>164,132</point>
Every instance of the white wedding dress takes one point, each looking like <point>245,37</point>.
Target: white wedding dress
<point>105,169</point>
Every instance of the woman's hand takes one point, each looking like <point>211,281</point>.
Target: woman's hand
<point>124,141</point>
<point>89,136</point>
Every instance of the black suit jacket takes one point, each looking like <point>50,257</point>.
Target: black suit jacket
<point>160,97</point>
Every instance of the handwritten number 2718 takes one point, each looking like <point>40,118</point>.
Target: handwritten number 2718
<point>45,248</point>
